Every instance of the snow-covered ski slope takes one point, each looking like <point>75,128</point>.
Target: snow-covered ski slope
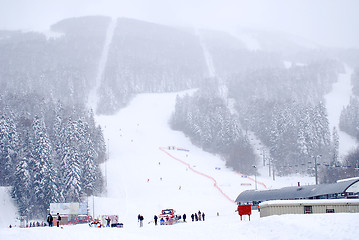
<point>139,137</point>
<point>93,98</point>
<point>336,100</point>
<point>143,173</point>
<point>152,167</point>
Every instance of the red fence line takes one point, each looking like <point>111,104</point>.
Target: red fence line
<point>260,183</point>
<point>200,173</point>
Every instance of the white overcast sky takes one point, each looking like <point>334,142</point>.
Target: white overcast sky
<point>327,22</point>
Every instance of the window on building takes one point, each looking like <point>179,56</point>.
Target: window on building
<point>330,211</point>
<point>308,209</point>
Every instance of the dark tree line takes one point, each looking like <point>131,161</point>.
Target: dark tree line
<point>341,170</point>
<point>148,57</point>
<point>206,120</point>
<point>285,109</point>
<point>50,152</point>
<point>63,67</point>
<point>349,118</point>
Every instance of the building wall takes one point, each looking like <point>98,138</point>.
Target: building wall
<point>292,207</point>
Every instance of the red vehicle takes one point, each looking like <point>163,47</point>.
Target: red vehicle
<point>169,216</point>
<point>167,213</point>
<point>82,219</point>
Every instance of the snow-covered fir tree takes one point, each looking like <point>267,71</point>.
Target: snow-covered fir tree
<point>44,177</point>
<point>70,165</point>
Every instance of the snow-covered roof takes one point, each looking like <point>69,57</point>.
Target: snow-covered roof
<point>302,192</point>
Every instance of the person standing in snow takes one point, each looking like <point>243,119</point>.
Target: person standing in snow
<point>108,219</point>
<point>203,216</point>
<point>141,220</point>
<point>200,215</point>
<point>58,219</point>
<point>192,216</point>
<point>50,219</point>
<point>155,218</point>
<point>196,217</point>
<point>184,217</point>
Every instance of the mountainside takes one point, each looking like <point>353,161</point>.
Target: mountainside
<point>273,91</point>
<point>134,171</point>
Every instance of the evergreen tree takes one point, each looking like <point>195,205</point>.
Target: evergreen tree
<point>8,149</point>
<point>89,156</point>
<point>44,177</point>
<point>22,187</point>
<point>70,163</point>
<point>335,148</point>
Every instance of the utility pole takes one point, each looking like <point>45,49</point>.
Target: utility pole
<point>93,207</point>
<point>273,175</point>
<point>108,157</point>
<point>316,168</point>
<point>264,158</point>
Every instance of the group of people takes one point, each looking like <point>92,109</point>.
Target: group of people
<point>50,220</point>
<point>32,224</point>
<point>198,216</point>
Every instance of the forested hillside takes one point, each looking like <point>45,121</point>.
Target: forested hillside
<point>147,57</point>
<point>62,68</point>
<point>50,152</point>
<point>205,118</point>
<point>51,147</point>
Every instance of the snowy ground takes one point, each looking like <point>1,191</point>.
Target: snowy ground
<point>144,178</point>
<point>316,226</point>
<point>7,208</point>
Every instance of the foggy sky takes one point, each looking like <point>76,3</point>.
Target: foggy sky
<point>327,22</point>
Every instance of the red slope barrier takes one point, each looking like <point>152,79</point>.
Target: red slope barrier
<point>199,173</point>
<point>260,183</point>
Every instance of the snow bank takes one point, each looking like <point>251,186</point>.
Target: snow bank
<point>7,208</point>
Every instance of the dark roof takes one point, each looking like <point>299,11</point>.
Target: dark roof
<point>301,192</point>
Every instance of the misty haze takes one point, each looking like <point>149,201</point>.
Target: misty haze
<point>133,107</point>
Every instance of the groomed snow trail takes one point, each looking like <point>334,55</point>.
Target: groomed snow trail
<point>144,180</point>
<point>93,97</point>
<point>207,56</point>
<point>336,100</point>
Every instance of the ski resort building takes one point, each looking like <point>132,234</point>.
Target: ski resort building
<point>73,212</point>
<point>341,190</point>
<point>279,207</point>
